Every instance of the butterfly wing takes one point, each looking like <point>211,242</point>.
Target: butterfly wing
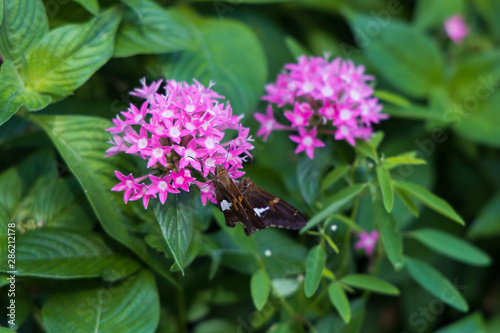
<point>274,211</point>
<point>235,206</point>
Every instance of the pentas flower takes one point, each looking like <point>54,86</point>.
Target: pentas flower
<point>321,97</point>
<point>456,29</point>
<point>182,134</point>
<point>367,241</point>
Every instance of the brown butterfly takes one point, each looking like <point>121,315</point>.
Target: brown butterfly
<point>251,206</point>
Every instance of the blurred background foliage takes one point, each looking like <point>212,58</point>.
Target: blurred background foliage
<point>86,262</point>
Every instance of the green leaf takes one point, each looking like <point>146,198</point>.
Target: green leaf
<point>487,222</point>
<point>62,254</point>
<point>339,301</point>
<point>175,218</point>
<point>479,121</point>
<point>490,11</point>
<point>65,58</point>
<point>315,263</point>
<point>472,323</point>
<point>227,53</point>
<point>338,200</point>
<point>81,142</point>
<point>384,180</point>
<point>333,176</point>
<point>435,283</point>
<point>372,283</point>
<point>432,14</point>
<point>260,287</point>
<point>451,246</point>
<point>147,28</point>
<point>92,6</point>
<point>237,234</point>
<point>13,95</point>
<point>308,176</point>
<point>24,24</point>
<point>432,201</point>
<point>50,202</point>
<point>349,222</point>
<point>391,238</point>
<point>400,51</point>
<point>367,149</point>
<point>413,112</point>
<point>280,254</point>
<point>407,202</point>
<point>132,305</point>
<point>285,287</point>
<point>403,159</point>
<point>389,96</point>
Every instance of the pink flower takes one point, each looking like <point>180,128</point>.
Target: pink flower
<point>332,95</point>
<point>267,122</point>
<point>367,241</point>
<point>306,141</point>
<point>456,29</point>
<point>162,186</point>
<point>128,184</point>
<point>181,135</point>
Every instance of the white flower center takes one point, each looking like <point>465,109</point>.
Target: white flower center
<point>162,185</point>
<point>158,152</point>
<point>143,143</point>
<point>189,153</point>
<point>269,125</point>
<point>167,113</point>
<point>174,132</point>
<point>307,141</point>
<point>307,87</point>
<point>327,91</point>
<point>209,143</point>
<point>345,114</point>
<point>355,95</point>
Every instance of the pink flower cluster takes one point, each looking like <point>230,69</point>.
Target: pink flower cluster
<point>177,133</point>
<point>329,97</point>
<point>456,29</point>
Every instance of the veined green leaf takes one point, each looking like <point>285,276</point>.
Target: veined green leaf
<point>81,142</point>
<point>227,53</point>
<point>176,223</point>
<point>147,28</point>
<point>131,305</point>
<point>23,25</point>
<point>62,254</point>
<point>66,57</point>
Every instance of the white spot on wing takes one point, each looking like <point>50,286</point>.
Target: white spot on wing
<point>225,205</point>
<point>259,211</point>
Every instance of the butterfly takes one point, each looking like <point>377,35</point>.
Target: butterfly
<point>251,206</point>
